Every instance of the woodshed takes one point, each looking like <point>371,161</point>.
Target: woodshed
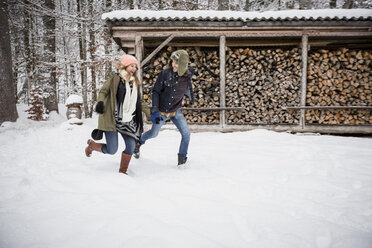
<point>295,71</point>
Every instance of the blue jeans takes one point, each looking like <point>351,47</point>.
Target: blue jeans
<point>180,122</point>
<point>111,145</point>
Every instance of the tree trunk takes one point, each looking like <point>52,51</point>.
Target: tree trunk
<point>83,58</point>
<point>51,100</point>
<point>27,51</point>
<point>8,110</point>
<point>348,4</point>
<point>247,5</point>
<point>108,41</point>
<point>332,4</point>
<point>223,4</point>
<point>304,4</point>
<point>129,2</point>
<point>210,4</point>
<point>92,49</point>
<point>70,67</point>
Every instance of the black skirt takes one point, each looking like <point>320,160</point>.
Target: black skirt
<point>134,127</point>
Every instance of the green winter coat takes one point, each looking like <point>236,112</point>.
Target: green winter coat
<point>107,95</point>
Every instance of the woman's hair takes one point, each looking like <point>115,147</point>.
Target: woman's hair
<point>138,82</point>
<point>119,67</point>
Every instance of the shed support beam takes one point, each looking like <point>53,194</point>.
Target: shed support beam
<point>305,39</point>
<point>157,49</point>
<point>222,80</point>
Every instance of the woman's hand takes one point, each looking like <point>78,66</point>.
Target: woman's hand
<point>100,108</point>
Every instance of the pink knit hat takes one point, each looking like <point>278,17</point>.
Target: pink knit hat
<point>127,59</point>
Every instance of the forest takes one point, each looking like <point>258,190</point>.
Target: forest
<point>64,47</point>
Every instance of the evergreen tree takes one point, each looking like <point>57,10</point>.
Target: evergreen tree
<point>37,109</point>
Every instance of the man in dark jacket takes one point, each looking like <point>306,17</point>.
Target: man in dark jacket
<point>170,87</point>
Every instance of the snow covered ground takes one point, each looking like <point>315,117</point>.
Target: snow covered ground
<point>258,189</point>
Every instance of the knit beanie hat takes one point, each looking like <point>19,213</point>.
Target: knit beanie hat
<point>127,59</point>
<point>182,59</point>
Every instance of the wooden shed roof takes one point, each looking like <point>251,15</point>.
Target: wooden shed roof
<point>334,27</point>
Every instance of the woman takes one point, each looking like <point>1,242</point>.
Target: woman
<point>119,106</point>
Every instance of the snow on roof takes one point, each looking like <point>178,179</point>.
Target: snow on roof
<point>165,15</point>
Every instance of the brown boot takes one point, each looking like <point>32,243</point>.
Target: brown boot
<point>93,146</point>
<point>125,159</point>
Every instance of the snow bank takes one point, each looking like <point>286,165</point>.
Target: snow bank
<point>257,189</point>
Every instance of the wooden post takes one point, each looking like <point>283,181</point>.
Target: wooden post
<point>157,50</point>
<point>304,48</point>
<point>222,80</point>
<point>139,52</point>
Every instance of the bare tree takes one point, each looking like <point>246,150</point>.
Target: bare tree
<point>92,50</point>
<point>247,5</point>
<point>332,4</point>
<point>304,4</point>
<point>348,4</point>
<point>223,4</point>
<point>83,57</point>
<point>130,3</point>
<point>30,66</point>
<point>108,39</point>
<point>51,101</point>
<point>8,110</point>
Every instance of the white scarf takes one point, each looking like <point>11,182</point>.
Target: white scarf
<point>130,99</point>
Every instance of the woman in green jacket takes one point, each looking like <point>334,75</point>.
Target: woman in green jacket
<point>119,106</point>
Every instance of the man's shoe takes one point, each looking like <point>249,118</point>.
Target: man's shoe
<point>182,162</point>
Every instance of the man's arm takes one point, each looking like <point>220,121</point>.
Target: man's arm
<point>156,92</point>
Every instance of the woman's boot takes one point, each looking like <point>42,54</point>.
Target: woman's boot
<point>124,163</point>
<point>92,146</point>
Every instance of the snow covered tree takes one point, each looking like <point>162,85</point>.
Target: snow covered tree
<point>223,4</point>
<point>348,4</point>
<point>92,51</point>
<point>37,109</point>
<point>50,78</point>
<point>83,53</point>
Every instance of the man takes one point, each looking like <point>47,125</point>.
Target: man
<point>167,95</point>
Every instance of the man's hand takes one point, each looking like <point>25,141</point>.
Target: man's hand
<point>156,118</point>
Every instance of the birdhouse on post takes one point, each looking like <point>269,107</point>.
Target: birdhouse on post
<point>74,109</point>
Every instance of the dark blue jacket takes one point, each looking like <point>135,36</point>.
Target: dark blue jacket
<point>165,87</point>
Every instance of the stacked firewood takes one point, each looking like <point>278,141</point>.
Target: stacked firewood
<point>263,80</point>
<point>339,77</point>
